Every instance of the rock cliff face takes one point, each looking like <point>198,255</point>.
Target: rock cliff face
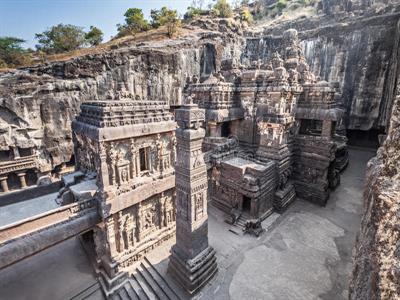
<point>355,51</point>
<point>376,271</point>
<point>38,104</point>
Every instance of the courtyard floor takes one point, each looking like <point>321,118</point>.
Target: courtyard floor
<point>305,253</point>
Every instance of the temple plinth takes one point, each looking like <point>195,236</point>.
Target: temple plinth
<point>193,262</point>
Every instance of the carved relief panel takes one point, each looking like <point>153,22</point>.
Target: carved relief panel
<point>167,208</point>
<point>126,229</point>
<point>198,200</point>
<point>149,216</point>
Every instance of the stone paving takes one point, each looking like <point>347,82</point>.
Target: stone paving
<point>305,254</point>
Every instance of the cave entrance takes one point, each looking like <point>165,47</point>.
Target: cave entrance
<point>71,162</point>
<point>364,138</point>
<point>24,152</point>
<point>5,155</point>
<point>31,177</point>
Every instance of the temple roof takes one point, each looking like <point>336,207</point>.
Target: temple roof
<point>114,113</point>
<point>119,119</point>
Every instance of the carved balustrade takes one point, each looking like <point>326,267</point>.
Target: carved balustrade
<point>18,164</point>
<point>47,219</point>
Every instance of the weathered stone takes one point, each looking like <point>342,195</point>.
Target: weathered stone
<point>192,262</point>
<point>129,145</point>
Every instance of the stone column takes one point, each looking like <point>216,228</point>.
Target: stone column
<point>103,178</point>
<point>4,184</point>
<point>327,129</point>
<point>16,152</point>
<point>192,262</point>
<point>215,129</point>
<point>22,179</point>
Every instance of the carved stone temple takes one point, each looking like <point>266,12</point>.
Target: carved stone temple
<point>264,125</point>
<point>249,140</point>
<point>193,261</point>
<point>130,145</point>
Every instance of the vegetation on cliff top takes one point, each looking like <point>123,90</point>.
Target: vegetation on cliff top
<point>63,39</point>
<point>11,52</point>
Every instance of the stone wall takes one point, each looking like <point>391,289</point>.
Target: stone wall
<point>356,51</point>
<point>47,97</point>
<point>376,270</point>
<point>43,100</point>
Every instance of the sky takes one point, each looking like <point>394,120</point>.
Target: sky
<point>24,18</point>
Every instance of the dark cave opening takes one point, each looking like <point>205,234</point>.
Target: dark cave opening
<point>226,129</point>
<point>31,177</point>
<point>364,138</point>
<point>71,162</point>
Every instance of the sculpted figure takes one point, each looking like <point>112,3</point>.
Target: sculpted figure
<point>124,175</point>
<point>195,79</point>
<point>220,77</point>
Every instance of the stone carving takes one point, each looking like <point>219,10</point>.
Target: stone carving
<point>130,164</point>
<point>192,262</point>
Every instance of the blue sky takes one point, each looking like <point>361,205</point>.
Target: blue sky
<point>24,18</point>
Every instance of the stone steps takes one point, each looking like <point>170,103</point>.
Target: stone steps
<point>239,225</point>
<point>146,284</point>
<point>87,292</point>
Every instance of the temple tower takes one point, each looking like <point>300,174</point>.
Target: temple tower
<point>193,261</point>
<point>128,145</point>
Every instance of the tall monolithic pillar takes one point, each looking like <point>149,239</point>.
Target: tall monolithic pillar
<point>192,262</point>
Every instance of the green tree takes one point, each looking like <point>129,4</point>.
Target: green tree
<point>11,52</point>
<point>195,9</point>
<point>222,9</point>
<point>61,38</point>
<point>193,12</point>
<point>167,17</point>
<point>281,4</point>
<point>245,15</point>
<point>94,36</point>
<point>134,22</point>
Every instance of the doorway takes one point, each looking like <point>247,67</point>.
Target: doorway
<point>246,206</point>
<point>225,129</point>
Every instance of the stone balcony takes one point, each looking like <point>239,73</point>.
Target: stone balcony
<point>18,164</point>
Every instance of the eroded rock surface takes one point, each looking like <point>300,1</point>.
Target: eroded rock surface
<point>376,272</point>
<point>40,102</point>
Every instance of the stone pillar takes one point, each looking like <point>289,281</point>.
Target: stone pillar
<point>4,184</point>
<point>192,262</point>
<point>215,129</point>
<point>327,129</point>
<point>16,152</point>
<point>22,179</point>
<point>103,179</point>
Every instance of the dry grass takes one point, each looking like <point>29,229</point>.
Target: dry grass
<point>153,35</point>
<point>5,70</point>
